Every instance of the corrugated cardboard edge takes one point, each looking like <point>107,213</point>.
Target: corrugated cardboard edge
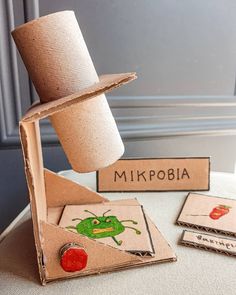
<point>200,227</point>
<point>31,186</point>
<point>202,247</point>
<point>207,229</point>
<point>106,83</point>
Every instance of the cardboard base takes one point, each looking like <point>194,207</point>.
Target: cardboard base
<point>49,191</point>
<point>102,258</point>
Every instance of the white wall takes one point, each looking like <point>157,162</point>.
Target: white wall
<point>182,104</point>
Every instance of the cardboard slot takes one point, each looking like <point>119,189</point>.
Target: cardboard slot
<point>133,233</point>
<point>118,259</point>
<point>54,214</point>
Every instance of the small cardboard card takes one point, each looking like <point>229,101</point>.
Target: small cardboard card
<point>209,242</point>
<point>156,174</point>
<point>122,227</point>
<point>209,213</point>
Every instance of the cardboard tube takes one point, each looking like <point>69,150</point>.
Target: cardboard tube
<point>57,59</point>
<point>55,55</point>
<point>91,140</point>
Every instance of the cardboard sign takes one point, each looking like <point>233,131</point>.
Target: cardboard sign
<point>170,174</point>
<point>120,226</point>
<point>209,242</point>
<point>209,213</point>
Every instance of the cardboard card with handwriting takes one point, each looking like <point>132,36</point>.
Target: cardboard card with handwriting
<point>209,242</point>
<point>122,227</point>
<point>209,213</point>
<point>157,174</point>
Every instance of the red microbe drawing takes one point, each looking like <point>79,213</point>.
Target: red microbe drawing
<point>219,211</point>
<point>216,213</point>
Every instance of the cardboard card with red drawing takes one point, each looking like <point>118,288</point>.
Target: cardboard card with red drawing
<point>209,213</point>
<point>119,226</point>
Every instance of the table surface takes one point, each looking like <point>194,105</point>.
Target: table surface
<point>195,272</point>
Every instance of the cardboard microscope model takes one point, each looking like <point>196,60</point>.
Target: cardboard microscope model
<point>72,97</point>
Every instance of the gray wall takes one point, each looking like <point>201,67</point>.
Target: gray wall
<point>182,104</point>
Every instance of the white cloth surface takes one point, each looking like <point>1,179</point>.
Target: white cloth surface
<point>195,272</point>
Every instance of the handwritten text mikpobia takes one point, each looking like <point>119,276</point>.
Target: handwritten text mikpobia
<point>151,175</point>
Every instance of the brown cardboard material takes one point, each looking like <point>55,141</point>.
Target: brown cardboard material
<point>157,174</point>
<point>209,213</point>
<point>89,127</point>
<point>134,237</point>
<point>39,183</point>
<point>106,83</point>
<point>54,214</point>
<point>101,256</point>
<point>114,258</point>
<point>56,57</point>
<point>163,251</point>
<point>209,242</point>
<point>57,192</point>
<point>32,152</point>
